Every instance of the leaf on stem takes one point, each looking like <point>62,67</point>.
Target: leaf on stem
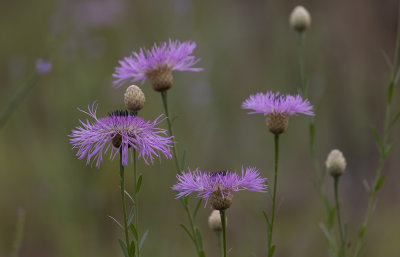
<point>202,253</point>
<point>361,231</point>
<point>331,218</point>
<point>377,139</point>
<point>134,232</point>
<point>327,234</point>
<point>143,239</point>
<point>132,249</point>
<point>387,59</point>
<point>366,186</point>
<point>187,232</point>
<point>131,214</point>
<point>266,218</point>
<point>139,184</point>
<point>123,247</point>
<point>390,92</point>
<point>396,117</point>
<point>271,251</point>
<point>196,210</point>
<point>119,224</point>
<point>198,237</point>
<point>380,182</point>
<point>130,197</point>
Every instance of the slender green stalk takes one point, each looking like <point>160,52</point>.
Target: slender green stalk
<point>19,232</point>
<point>342,236</point>
<point>17,98</point>
<point>223,221</point>
<point>165,104</point>
<point>136,201</point>
<point>122,180</point>
<point>271,227</point>
<point>301,61</point>
<point>221,250</point>
<point>184,201</point>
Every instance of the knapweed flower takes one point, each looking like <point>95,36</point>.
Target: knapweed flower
<point>43,66</point>
<point>157,64</point>
<point>300,19</point>
<point>335,163</point>
<point>217,187</point>
<point>120,131</point>
<point>277,108</point>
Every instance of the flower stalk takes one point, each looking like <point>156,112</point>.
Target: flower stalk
<point>122,182</point>
<point>341,232</point>
<point>223,221</point>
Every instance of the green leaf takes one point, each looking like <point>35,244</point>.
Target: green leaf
<point>377,138</point>
<point>132,249</point>
<point>196,210</point>
<point>183,159</point>
<point>139,184</point>
<point>331,218</point>
<point>361,231</point>
<point>134,232</point>
<point>131,214</point>
<point>266,218</point>
<point>390,92</point>
<point>366,186</point>
<point>123,248</point>
<point>143,239</point>
<point>396,117</point>
<point>187,232</point>
<point>327,234</point>
<point>388,149</point>
<point>202,253</point>
<point>119,224</point>
<point>387,59</point>
<point>271,251</point>
<point>130,197</point>
<point>380,182</point>
<point>198,237</point>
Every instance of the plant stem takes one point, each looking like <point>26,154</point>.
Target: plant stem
<point>122,180</point>
<point>223,221</point>
<point>301,61</point>
<point>342,236</point>
<point>136,202</point>
<point>221,252</point>
<point>171,134</point>
<point>271,227</point>
<point>184,201</point>
<point>19,232</point>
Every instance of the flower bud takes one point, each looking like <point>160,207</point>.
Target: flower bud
<point>161,78</point>
<point>300,19</point>
<point>219,202</point>
<point>277,123</point>
<point>214,221</point>
<point>335,163</point>
<point>134,98</point>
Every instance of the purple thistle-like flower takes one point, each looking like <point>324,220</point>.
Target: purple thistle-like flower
<point>224,183</point>
<point>270,102</point>
<point>119,131</point>
<point>161,59</point>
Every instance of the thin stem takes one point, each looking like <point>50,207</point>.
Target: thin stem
<point>191,222</point>
<point>221,251</point>
<point>136,202</point>
<point>19,232</point>
<point>165,104</point>
<point>223,221</point>
<point>301,61</point>
<point>342,236</point>
<point>122,180</point>
<point>276,141</point>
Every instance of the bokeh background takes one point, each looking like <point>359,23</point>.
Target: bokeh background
<point>245,47</point>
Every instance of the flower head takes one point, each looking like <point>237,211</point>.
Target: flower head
<point>300,19</point>
<point>335,163</point>
<point>157,64</point>
<point>119,131</point>
<point>218,186</point>
<point>278,108</point>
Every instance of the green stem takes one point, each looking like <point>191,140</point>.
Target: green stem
<point>122,180</point>
<point>223,221</point>
<point>301,61</point>
<point>271,227</point>
<point>342,236</point>
<point>178,169</point>
<point>19,232</point>
<point>221,252</point>
<point>171,134</point>
<point>136,201</point>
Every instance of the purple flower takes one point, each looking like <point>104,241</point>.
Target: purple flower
<point>161,60</point>
<point>222,183</point>
<point>43,66</point>
<point>270,102</point>
<point>119,131</point>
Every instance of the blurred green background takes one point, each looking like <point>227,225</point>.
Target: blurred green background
<point>245,47</point>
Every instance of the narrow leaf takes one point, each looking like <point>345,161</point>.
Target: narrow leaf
<point>196,210</point>
<point>198,237</point>
<point>134,232</point>
<point>361,231</point>
<point>202,253</point>
<point>131,214</point>
<point>377,138</point>
<point>326,233</point>
<point>139,184</point>
<point>119,224</point>
<point>387,59</point>
<point>396,117</point>
<point>366,185</point>
<point>388,149</point>
<point>390,92</point>
<point>132,249</point>
<point>271,251</point>
<point>331,218</point>
<point>188,233</point>
<point>130,197</point>
<point>266,218</point>
<point>143,239</point>
<point>123,248</point>
<point>379,182</point>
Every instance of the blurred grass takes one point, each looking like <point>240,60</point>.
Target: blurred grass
<point>245,47</point>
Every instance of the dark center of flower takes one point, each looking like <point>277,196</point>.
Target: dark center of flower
<point>221,172</point>
<point>122,113</point>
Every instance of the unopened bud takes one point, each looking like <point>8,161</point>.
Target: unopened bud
<point>335,163</point>
<point>134,98</point>
<point>300,19</point>
<point>214,221</point>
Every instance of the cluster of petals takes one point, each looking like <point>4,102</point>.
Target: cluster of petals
<point>266,103</point>
<point>174,55</point>
<point>93,139</point>
<point>205,183</point>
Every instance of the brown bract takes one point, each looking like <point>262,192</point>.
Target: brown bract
<point>160,78</point>
<point>277,123</point>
